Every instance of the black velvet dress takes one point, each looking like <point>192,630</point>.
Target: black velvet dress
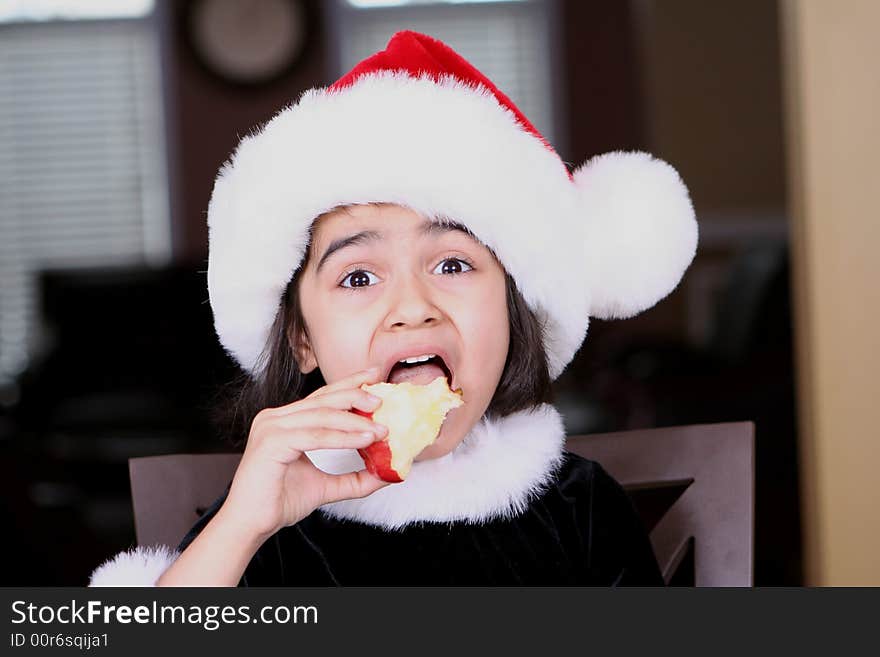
<point>582,531</point>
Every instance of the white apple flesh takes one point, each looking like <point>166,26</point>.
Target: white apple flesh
<point>414,415</point>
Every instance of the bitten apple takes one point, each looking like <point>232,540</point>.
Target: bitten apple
<point>413,414</point>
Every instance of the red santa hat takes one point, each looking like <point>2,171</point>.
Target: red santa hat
<point>418,126</point>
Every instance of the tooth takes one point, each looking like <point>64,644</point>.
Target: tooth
<point>417,359</point>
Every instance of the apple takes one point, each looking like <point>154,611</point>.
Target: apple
<point>413,414</point>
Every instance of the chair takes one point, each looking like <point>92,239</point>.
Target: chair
<point>169,493</point>
<point>693,487</point>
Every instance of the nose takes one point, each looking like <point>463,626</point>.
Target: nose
<point>412,304</point>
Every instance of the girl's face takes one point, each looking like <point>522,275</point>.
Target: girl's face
<point>405,282</point>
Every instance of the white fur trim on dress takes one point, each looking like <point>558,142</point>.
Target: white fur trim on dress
<point>495,472</point>
<point>140,566</point>
<point>445,149</point>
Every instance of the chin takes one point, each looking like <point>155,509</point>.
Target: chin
<point>446,442</point>
<point>434,451</point>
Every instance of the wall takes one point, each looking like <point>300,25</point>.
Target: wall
<point>833,98</point>
<point>711,100</point>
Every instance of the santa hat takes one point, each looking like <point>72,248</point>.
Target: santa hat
<point>418,126</point>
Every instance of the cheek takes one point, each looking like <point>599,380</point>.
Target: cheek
<point>339,339</point>
<point>487,330</point>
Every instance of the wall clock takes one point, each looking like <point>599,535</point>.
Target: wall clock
<point>248,42</point>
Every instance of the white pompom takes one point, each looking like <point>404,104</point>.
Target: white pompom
<point>641,232</point>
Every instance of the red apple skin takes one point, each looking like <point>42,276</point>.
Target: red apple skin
<point>377,457</point>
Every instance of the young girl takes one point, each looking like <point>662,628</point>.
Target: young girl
<point>408,210</point>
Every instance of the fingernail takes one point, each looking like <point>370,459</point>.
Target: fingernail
<point>380,429</point>
<point>373,399</point>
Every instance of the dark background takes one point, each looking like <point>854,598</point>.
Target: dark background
<point>133,366</point>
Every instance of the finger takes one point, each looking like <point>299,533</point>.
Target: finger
<point>343,400</point>
<point>326,418</point>
<point>354,380</point>
<point>289,447</point>
<point>352,485</point>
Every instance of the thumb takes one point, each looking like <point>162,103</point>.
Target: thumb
<point>352,485</point>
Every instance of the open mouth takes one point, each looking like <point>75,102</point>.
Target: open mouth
<point>424,368</point>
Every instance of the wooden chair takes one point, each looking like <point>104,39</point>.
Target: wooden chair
<point>169,493</point>
<point>693,487</point>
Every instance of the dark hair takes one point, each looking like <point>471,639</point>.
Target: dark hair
<point>525,381</point>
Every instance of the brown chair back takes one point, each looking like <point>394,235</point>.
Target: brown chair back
<point>170,492</point>
<point>694,489</point>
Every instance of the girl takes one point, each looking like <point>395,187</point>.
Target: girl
<point>410,209</point>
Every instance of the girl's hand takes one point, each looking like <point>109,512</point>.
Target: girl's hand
<point>275,484</point>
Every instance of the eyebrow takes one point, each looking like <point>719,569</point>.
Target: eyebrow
<point>366,236</point>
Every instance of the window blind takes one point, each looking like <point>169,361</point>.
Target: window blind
<point>82,163</point>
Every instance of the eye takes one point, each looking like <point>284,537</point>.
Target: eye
<point>451,270</point>
<point>359,277</point>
